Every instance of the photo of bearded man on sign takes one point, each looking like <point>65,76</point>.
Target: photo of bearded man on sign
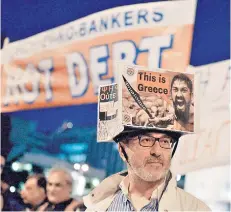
<point>181,93</point>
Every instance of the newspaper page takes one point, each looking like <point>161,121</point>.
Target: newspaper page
<point>157,99</point>
<point>108,113</point>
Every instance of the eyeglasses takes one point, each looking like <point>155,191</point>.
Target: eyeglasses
<point>149,141</point>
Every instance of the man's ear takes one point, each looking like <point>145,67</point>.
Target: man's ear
<point>120,146</point>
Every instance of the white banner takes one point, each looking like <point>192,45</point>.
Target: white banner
<point>211,146</point>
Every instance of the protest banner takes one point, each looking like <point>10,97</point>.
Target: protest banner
<point>65,65</point>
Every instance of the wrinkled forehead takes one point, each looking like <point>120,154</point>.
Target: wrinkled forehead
<point>156,135</point>
<point>57,177</point>
<point>179,84</point>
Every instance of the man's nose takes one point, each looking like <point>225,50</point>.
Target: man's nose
<point>22,193</point>
<point>156,149</point>
<point>50,188</point>
<point>179,93</point>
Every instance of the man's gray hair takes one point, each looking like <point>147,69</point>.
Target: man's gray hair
<point>65,171</point>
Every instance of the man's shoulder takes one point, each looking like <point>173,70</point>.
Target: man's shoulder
<point>177,199</point>
<point>189,202</point>
<point>103,194</point>
<point>113,180</point>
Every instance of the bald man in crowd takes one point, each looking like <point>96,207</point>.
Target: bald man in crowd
<point>34,192</point>
<point>59,189</point>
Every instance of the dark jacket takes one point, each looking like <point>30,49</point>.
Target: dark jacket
<point>69,205</point>
<point>12,201</point>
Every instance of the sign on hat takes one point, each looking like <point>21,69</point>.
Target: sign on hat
<point>146,99</point>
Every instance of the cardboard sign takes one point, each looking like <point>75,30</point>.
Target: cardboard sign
<point>158,99</point>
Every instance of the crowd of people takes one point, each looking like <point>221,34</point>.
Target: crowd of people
<point>40,193</point>
<point>147,185</point>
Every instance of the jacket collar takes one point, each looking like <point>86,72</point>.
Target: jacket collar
<point>37,206</point>
<point>101,197</point>
<point>59,206</point>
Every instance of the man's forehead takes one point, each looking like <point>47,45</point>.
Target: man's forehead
<point>31,182</point>
<point>179,83</point>
<point>56,177</point>
<point>156,134</point>
<point>150,133</point>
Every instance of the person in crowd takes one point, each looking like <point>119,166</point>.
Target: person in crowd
<point>10,201</point>
<point>34,192</point>
<point>59,189</point>
<point>2,163</point>
<point>148,184</point>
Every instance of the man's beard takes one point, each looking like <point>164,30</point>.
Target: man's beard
<point>182,115</point>
<point>150,176</point>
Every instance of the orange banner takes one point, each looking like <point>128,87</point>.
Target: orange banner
<point>65,66</point>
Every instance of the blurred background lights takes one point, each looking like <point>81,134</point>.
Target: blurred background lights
<point>16,166</point>
<point>12,189</point>
<point>95,182</point>
<point>77,166</point>
<point>80,185</point>
<point>69,125</point>
<point>75,175</point>
<point>28,167</point>
<point>178,177</point>
<point>85,167</point>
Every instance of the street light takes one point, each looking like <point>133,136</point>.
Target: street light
<point>16,166</point>
<point>77,166</point>
<point>12,189</point>
<point>85,167</point>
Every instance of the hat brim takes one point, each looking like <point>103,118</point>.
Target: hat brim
<point>128,131</point>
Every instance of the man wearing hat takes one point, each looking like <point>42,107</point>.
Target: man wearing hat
<point>148,184</point>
